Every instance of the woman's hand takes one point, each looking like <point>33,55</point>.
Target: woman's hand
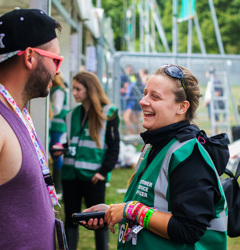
<point>114,215</point>
<point>97,177</point>
<point>94,223</point>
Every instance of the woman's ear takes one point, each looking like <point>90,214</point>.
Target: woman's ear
<point>183,107</point>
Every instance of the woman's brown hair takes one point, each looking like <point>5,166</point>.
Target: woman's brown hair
<point>97,98</point>
<point>192,87</point>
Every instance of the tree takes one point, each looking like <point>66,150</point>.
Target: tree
<point>227,14</point>
<point>114,9</point>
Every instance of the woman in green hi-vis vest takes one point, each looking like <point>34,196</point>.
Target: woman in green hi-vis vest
<point>93,143</point>
<point>175,199</point>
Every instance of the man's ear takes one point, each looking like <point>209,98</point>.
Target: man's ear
<point>30,58</point>
<point>183,107</point>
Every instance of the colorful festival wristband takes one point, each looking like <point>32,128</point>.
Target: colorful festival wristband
<point>142,216</point>
<point>147,218</point>
<point>139,213</point>
<point>136,210</point>
<point>130,209</point>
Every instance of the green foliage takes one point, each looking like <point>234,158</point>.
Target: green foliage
<point>114,9</point>
<point>228,15</point>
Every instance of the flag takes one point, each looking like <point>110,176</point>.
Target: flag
<point>187,10</point>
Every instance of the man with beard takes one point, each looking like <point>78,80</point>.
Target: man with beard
<point>29,61</point>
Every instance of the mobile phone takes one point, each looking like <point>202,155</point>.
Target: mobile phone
<point>64,150</point>
<point>77,217</point>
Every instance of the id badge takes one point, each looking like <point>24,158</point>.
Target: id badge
<point>62,240</point>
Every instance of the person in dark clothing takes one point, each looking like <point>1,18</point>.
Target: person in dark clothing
<point>175,199</point>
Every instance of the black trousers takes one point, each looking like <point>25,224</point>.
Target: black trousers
<point>74,191</point>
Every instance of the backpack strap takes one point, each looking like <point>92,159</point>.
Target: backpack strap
<point>230,173</point>
<point>237,174</point>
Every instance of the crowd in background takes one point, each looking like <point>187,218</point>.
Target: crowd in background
<point>132,85</point>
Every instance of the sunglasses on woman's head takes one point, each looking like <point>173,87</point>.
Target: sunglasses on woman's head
<point>176,72</point>
<point>56,58</point>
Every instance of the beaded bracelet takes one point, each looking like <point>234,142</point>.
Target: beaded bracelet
<point>142,216</point>
<point>130,209</point>
<point>147,218</point>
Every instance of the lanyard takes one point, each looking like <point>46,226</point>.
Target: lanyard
<point>33,135</point>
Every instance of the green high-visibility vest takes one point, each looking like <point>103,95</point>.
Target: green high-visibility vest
<point>153,190</point>
<point>85,158</point>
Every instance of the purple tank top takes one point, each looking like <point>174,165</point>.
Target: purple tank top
<point>26,214</point>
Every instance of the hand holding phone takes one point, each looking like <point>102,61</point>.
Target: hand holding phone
<point>86,216</point>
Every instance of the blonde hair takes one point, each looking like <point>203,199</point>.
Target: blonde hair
<point>97,99</point>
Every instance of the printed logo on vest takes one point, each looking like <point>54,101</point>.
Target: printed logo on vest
<point>143,188</point>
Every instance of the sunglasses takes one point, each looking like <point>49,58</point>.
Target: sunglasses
<point>176,72</point>
<point>56,59</point>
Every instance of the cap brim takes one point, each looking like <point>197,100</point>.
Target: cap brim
<point>4,57</point>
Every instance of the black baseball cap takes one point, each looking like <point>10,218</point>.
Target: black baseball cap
<point>22,28</point>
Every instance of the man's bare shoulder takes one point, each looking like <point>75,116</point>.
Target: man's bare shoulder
<point>9,146</point>
<point>4,130</point>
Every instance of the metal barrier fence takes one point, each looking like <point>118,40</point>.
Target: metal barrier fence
<point>199,64</point>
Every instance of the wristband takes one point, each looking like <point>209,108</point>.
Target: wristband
<point>124,209</point>
<point>130,209</point>
<point>147,218</point>
<point>142,216</point>
<point>139,212</point>
<point>136,210</point>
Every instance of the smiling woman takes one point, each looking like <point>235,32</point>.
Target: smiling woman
<point>159,106</point>
<point>169,98</point>
<point>174,199</point>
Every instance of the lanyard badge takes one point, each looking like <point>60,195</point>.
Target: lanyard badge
<point>33,135</point>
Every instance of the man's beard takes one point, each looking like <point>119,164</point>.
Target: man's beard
<point>37,84</point>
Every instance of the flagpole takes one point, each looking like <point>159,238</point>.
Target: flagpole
<point>175,28</point>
